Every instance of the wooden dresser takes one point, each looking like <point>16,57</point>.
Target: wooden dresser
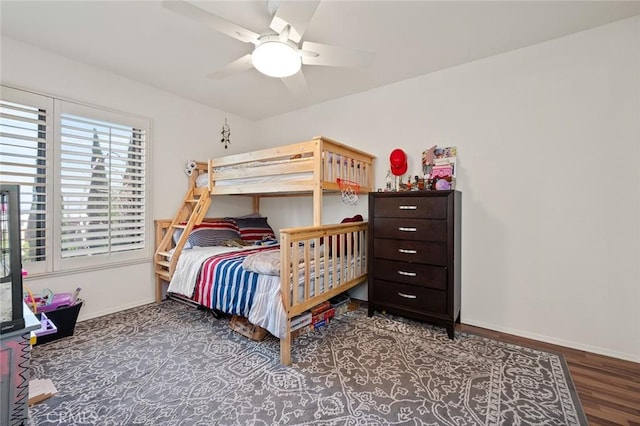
<point>414,255</point>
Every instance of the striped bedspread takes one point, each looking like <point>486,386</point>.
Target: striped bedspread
<point>214,277</point>
<point>225,285</point>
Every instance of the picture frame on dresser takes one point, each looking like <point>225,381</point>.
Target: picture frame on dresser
<point>414,264</point>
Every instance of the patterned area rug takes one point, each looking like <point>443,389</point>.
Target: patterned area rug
<point>172,364</point>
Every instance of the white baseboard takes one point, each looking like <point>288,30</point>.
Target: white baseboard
<point>555,341</point>
<point>114,309</point>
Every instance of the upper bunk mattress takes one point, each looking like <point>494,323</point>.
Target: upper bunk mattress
<point>202,181</point>
<point>345,167</point>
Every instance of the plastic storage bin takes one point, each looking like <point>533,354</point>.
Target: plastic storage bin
<point>64,320</point>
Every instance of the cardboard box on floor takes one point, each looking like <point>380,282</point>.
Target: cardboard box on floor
<point>243,326</point>
<point>40,389</point>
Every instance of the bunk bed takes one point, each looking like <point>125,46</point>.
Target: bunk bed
<point>316,262</point>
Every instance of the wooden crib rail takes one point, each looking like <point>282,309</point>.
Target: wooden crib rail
<point>337,251</point>
<point>340,161</point>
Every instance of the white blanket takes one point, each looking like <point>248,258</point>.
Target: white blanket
<point>267,310</point>
<point>268,262</point>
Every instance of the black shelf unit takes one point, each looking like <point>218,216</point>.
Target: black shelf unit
<point>11,314</point>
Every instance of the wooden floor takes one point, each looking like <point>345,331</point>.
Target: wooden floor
<point>609,388</point>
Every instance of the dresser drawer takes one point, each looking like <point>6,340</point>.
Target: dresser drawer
<point>431,253</point>
<point>410,229</point>
<point>406,296</point>
<point>412,207</point>
<point>411,273</point>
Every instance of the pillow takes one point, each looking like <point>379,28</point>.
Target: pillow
<point>218,224</point>
<point>209,234</point>
<point>249,216</point>
<point>176,236</point>
<point>209,237</point>
<point>356,218</point>
<point>254,228</point>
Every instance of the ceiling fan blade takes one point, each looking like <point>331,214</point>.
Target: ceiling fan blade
<point>237,66</point>
<point>335,56</point>
<point>298,14</point>
<point>213,21</point>
<point>296,84</point>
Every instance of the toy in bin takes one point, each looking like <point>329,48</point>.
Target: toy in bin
<point>46,327</point>
<point>48,301</point>
<point>58,314</point>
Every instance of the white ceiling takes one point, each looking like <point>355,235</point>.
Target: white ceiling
<point>143,41</point>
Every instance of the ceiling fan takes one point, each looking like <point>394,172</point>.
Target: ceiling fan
<point>277,52</point>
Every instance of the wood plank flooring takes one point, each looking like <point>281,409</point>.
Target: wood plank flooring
<point>609,388</point>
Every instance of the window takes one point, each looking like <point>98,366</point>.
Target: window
<point>25,148</point>
<point>94,161</point>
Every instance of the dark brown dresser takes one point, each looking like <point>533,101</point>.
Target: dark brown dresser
<point>414,255</point>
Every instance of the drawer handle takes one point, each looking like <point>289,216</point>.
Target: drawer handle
<point>404,229</point>
<point>407,296</point>
<point>408,207</point>
<point>407,274</point>
<point>407,251</point>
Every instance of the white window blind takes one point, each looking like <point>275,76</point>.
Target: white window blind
<point>25,132</point>
<point>82,172</point>
<point>102,185</point>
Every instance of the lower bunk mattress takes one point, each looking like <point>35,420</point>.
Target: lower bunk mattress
<point>244,281</point>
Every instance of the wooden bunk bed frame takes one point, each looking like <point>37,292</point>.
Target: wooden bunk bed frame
<point>319,163</point>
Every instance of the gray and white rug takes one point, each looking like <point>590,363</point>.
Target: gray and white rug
<point>171,364</point>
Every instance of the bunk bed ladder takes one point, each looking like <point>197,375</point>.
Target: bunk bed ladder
<point>193,209</point>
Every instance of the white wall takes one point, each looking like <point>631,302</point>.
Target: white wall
<point>182,130</point>
<point>548,141</point>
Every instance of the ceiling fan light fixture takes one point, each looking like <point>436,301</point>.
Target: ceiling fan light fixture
<point>276,58</point>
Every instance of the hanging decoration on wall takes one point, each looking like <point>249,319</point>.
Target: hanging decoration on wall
<point>226,132</point>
